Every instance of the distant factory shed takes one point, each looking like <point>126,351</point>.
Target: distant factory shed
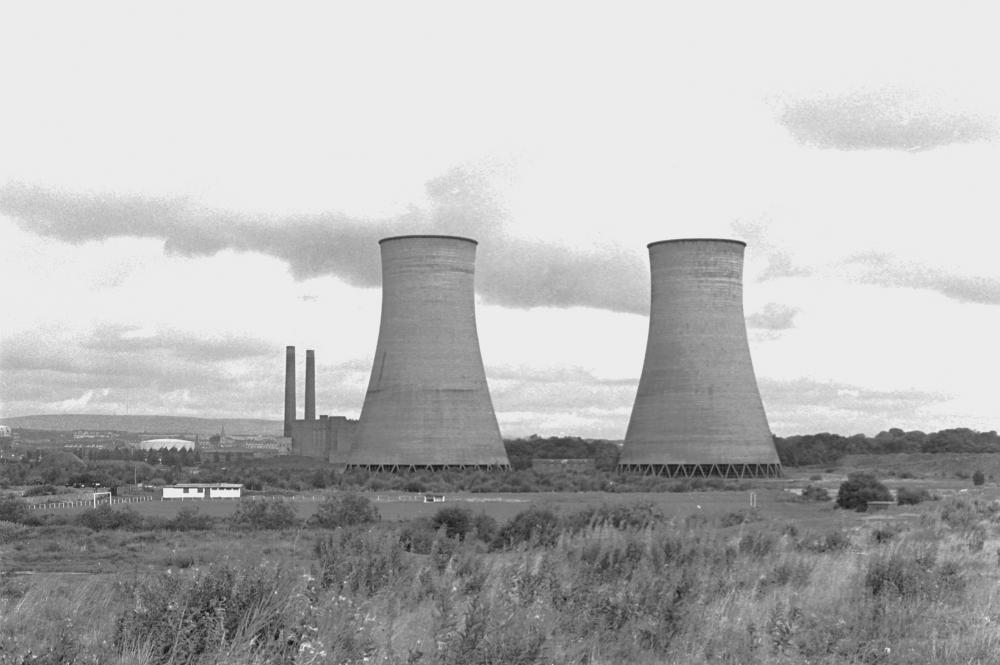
<point>165,444</point>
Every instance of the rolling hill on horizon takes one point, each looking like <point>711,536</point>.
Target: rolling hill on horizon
<point>146,424</point>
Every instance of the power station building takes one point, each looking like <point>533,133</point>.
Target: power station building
<point>427,405</point>
<point>697,410</point>
<point>328,438</point>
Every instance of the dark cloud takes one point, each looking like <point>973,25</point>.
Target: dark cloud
<point>883,270</point>
<point>774,316</point>
<point>885,119</point>
<point>510,272</point>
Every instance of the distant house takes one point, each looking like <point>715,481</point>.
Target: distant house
<point>202,491</point>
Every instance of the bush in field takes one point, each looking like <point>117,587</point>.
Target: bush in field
<point>908,496</point>
<point>417,536</point>
<point>739,517</point>
<point>978,478</point>
<point>535,525</point>
<point>345,510</point>
<point>622,516</point>
<point>820,543</point>
<point>815,493</point>
<point>105,517</point>
<point>41,490</point>
<point>188,519</point>
<point>456,521</point>
<point>859,489</point>
<point>912,575</point>
<point>264,515</point>
<point>12,509</point>
<point>211,616</point>
<point>361,562</point>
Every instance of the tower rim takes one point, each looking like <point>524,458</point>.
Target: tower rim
<point>430,236</point>
<point>673,240</point>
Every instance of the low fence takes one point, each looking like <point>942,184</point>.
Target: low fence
<point>88,503</point>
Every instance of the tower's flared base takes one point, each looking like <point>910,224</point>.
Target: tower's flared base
<point>733,471</point>
<point>409,468</point>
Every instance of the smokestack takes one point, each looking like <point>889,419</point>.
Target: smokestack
<point>427,403</point>
<point>697,410</point>
<point>310,385</point>
<point>289,389</point>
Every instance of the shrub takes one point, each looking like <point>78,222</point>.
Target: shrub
<point>12,509</point>
<point>533,525</point>
<point>485,527</point>
<point>859,489</point>
<point>264,515</point>
<point>622,516</point>
<point>359,561</point>
<point>815,493</point>
<point>884,534</point>
<point>41,490</point>
<point>978,478</point>
<point>417,536</point>
<point>739,517</point>
<point>200,618</point>
<point>104,517</point>
<point>815,477</point>
<point>831,541</point>
<point>456,521</point>
<point>188,519</point>
<point>914,575</point>
<point>345,510</point>
<point>908,496</point>
<point>414,486</point>
<point>758,543</point>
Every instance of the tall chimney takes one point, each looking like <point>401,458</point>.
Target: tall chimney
<point>427,403</point>
<point>697,410</point>
<point>310,384</point>
<point>289,389</point>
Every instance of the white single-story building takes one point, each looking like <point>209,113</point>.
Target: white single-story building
<point>202,491</point>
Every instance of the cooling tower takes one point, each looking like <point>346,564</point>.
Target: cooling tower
<point>289,389</point>
<point>697,410</point>
<point>428,405</point>
<point>310,384</point>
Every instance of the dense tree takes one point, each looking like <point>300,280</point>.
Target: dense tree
<point>859,489</point>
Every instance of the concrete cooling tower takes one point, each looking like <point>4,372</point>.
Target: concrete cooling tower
<point>428,405</point>
<point>697,410</point>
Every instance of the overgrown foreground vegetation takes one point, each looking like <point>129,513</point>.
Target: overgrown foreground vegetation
<point>609,585</point>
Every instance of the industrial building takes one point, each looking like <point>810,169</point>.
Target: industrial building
<point>326,438</point>
<point>697,409</point>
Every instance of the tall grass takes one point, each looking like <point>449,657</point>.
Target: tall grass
<point>612,586</point>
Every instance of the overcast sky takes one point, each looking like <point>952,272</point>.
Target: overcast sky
<point>187,188</point>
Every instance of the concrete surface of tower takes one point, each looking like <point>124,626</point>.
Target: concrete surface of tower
<point>428,405</point>
<point>697,410</point>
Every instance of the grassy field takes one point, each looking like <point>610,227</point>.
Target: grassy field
<point>707,579</point>
<point>503,506</point>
